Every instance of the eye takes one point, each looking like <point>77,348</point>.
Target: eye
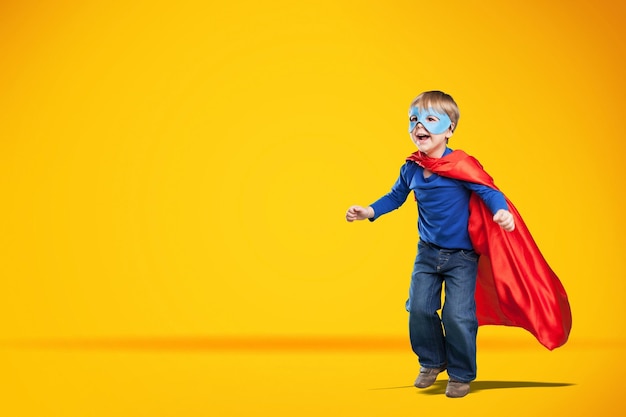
<point>432,119</point>
<point>413,118</point>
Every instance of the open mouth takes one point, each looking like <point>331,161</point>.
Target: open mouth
<point>422,137</point>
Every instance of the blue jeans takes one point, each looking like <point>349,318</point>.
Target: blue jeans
<point>454,343</point>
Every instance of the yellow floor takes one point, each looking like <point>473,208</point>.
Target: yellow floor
<point>525,380</point>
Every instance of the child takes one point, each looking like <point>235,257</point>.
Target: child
<point>452,191</point>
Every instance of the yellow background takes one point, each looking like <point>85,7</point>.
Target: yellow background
<point>174,175</point>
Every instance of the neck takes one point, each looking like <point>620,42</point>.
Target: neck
<point>435,153</point>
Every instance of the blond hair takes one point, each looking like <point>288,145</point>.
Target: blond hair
<point>440,102</point>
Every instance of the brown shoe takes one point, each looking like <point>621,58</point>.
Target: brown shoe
<point>428,376</point>
<point>457,389</point>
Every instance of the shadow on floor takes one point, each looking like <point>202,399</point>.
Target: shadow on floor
<point>439,387</point>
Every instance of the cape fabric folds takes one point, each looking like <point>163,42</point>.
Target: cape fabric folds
<point>515,285</point>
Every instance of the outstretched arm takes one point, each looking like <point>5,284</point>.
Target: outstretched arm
<point>359,213</point>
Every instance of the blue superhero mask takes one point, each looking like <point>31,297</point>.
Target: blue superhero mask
<point>433,126</point>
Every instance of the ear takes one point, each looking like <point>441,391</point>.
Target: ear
<point>450,131</point>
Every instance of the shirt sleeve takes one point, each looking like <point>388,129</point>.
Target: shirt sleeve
<point>394,198</point>
<point>494,199</point>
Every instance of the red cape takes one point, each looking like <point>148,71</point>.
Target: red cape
<point>515,286</point>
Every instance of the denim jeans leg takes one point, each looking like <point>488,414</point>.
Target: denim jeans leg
<point>459,314</point>
<point>425,328</point>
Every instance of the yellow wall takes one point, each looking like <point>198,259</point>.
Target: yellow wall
<point>184,168</point>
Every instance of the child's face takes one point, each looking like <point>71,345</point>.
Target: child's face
<point>430,131</point>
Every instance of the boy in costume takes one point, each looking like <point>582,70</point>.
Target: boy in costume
<point>473,239</point>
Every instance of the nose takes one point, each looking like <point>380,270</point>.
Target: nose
<point>414,124</point>
<point>418,124</point>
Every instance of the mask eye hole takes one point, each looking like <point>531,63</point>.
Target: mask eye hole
<point>413,119</point>
<point>432,119</point>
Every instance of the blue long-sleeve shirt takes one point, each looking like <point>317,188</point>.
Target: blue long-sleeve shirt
<point>442,203</point>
